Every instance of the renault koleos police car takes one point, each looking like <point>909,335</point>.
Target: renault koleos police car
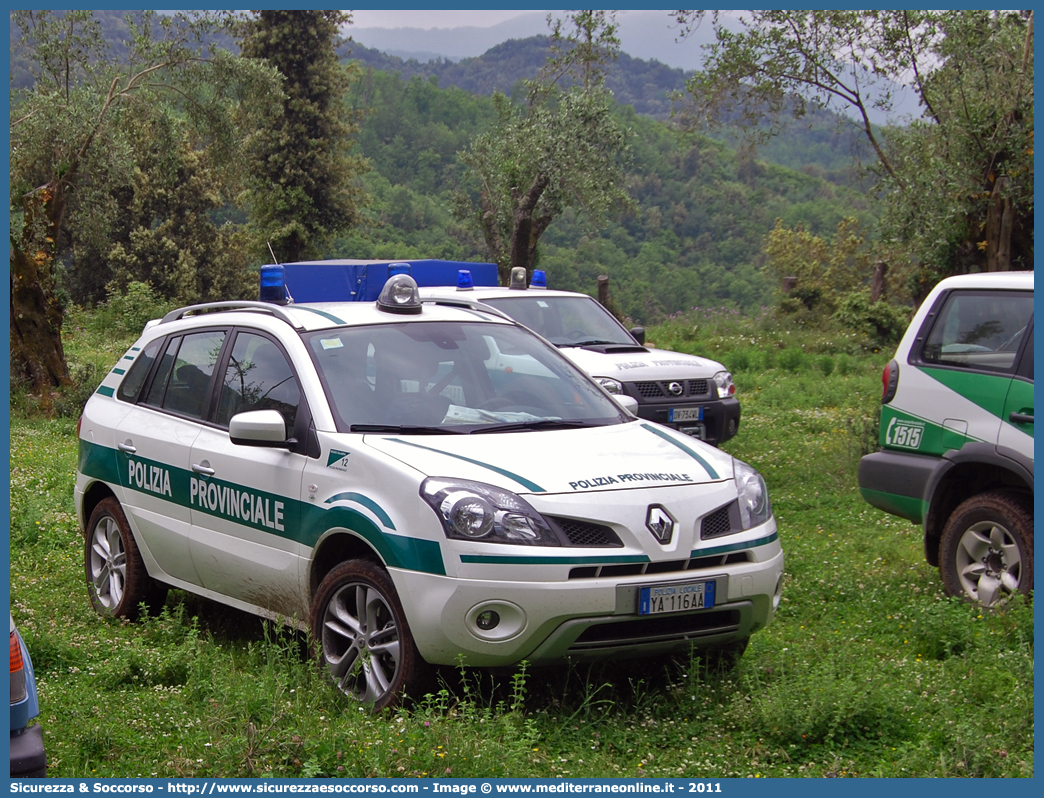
<point>957,434</point>
<point>413,483</point>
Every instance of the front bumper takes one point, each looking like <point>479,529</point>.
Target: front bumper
<point>720,420</point>
<point>583,618</point>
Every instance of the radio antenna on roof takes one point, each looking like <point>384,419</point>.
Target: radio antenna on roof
<point>274,259</point>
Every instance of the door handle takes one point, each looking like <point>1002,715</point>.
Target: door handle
<point>127,447</point>
<point>204,469</point>
<point>1020,418</point>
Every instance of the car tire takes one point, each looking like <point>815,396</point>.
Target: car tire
<point>362,638</point>
<point>117,581</point>
<point>986,551</point>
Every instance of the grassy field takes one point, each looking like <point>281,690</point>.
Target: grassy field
<point>867,670</point>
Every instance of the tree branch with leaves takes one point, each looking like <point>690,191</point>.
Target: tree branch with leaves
<point>559,149</point>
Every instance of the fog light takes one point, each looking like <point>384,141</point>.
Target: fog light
<point>487,619</point>
<point>495,621</point>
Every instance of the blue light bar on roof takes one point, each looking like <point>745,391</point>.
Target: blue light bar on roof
<point>399,268</point>
<point>539,279</point>
<point>464,282</point>
<point>272,287</point>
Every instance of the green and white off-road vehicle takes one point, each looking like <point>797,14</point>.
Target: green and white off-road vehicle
<point>956,434</point>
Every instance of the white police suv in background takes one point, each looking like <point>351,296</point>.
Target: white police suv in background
<point>422,483</point>
<point>957,434</point>
<point>692,394</point>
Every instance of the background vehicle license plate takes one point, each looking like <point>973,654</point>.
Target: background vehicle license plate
<point>659,599</point>
<point>685,414</point>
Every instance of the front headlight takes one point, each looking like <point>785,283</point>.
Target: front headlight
<point>752,495</point>
<point>611,385</point>
<point>724,384</point>
<point>476,511</point>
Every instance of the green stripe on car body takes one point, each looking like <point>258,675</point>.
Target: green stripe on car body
<point>497,559</point>
<point>323,313</point>
<point>985,390</point>
<point>912,508</point>
<point>301,522</point>
<point>619,559</point>
<point>745,544</point>
<point>105,390</point>
<point>366,502</point>
<point>528,484</point>
<point>670,439</point>
<point>904,431</point>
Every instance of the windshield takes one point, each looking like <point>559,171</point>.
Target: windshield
<point>564,320</point>
<point>446,377</point>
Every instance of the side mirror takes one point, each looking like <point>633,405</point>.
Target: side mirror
<point>628,403</point>
<point>258,428</point>
<point>639,334</point>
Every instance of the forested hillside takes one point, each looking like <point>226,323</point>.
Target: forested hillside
<point>822,142</point>
<point>702,207</point>
<point>695,237</point>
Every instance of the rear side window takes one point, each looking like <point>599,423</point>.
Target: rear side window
<point>139,370</point>
<point>979,330</point>
<point>183,378</point>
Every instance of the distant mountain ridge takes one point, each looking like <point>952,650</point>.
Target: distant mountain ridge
<point>646,86</point>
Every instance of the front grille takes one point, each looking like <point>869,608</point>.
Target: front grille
<point>585,533</point>
<point>661,627</point>
<point>665,567</point>
<point>699,389</point>
<point>650,389</point>
<point>717,523</point>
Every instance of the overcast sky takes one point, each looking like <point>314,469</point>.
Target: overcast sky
<point>417,18</point>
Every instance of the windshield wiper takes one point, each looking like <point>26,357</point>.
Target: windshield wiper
<point>536,424</point>
<point>404,429</point>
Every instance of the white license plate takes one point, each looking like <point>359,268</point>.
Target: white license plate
<point>685,414</point>
<point>662,599</point>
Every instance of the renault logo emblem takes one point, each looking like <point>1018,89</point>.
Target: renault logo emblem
<point>660,523</point>
<point>676,389</point>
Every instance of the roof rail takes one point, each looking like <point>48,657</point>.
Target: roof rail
<point>210,307</point>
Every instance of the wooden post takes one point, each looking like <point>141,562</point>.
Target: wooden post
<point>877,285</point>
<point>603,289</point>
<point>789,284</point>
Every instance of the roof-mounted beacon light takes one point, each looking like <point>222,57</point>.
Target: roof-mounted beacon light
<point>400,295</point>
<point>399,268</point>
<point>539,279</point>
<point>464,281</point>
<point>272,286</point>
<point>518,278</point>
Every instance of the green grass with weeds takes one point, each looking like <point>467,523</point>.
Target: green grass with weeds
<point>867,670</point>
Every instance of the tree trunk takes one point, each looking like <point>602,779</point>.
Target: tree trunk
<point>999,221</point>
<point>37,353</point>
<point>36,324</point>
<point>877,284</point>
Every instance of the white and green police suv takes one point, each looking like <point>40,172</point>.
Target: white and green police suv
<point>692,394</point>
<point>956,434</point>
<point>413,483</point>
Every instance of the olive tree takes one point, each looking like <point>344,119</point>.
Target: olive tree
<point>955,185</point>
<point>76,145</point>
<point>560,148</point>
